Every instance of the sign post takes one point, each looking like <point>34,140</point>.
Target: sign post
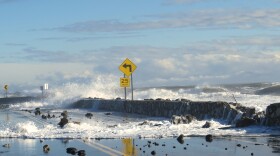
<point>128,67</point>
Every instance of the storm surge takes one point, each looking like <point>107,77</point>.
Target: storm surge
<point>19,119</point>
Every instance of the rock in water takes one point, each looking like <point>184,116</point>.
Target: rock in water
<point>81,153</point>
<point>37,111</point>
<point>209,138</point>
<point>207,125</point>
<point>71,150</point>
<point>244,122</point>
<point>180,139</point>
<point>89,115</point>
<point>63,122</point>
<point>46,148</point>
<point>153,152</point>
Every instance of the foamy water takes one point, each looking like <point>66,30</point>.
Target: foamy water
<point>16,123</point>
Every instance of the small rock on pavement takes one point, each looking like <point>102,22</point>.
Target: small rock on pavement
<point>71,150</point>
<point>180,139</point>
<point>209,138</point>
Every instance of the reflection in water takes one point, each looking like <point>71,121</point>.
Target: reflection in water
<point>128,147</point>
<point>274,143</point>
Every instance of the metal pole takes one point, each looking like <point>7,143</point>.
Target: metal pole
<point>131,88</point>
<point>124,89</point>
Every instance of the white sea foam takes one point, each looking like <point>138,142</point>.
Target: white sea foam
<point>102,126</point>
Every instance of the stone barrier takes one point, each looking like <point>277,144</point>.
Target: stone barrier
<point>273,115</point>
<point>165,108</point>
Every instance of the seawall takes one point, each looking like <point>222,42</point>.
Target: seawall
<point>164,108</point>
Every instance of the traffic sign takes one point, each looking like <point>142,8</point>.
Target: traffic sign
<point>127,67</point>
<point>6,87</point>
<point>124,82</point>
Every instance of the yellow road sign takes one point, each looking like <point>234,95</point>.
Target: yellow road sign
<point>6,87</point>
<point>127,67</point>
<point>124,82</point>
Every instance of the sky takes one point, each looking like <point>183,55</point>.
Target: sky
<point>172,42</point>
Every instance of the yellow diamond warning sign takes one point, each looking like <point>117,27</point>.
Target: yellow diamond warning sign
<point>127,67</point>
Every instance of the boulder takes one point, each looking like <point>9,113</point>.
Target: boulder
<point>89,115</point>
<point>71,150</point>
<point>207,124</point>
<point>180,139</point>
<point>182,119</point>
<point>63,122</point>
<point>44,116</point>
<point>81,153</point>
<point>209,138</point>
<point>273,115</point>
<point>46,148</point>
<point>37,111</point>
<point>245,121</point>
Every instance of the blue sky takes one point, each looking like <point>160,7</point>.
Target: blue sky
<point>172,42</point>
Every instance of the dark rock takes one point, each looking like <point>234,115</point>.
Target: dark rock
<point>46,148</point>
<point>225,148</point>
<point>180,139</point>
<point>44,116</point>
<point>252,153</point>
<point>207,125</point>
<point>89,115</point>
<point>248,111</point>
<point>174,146</point>
<point>185,148</point>
<point>63,122</point>
<point>108,113</point>
<point>81,153</point>
<point>238,145</point>
<point>209,138</point>
<point>244,122</point>
<point>182,119</point>
<point>71,150</point>
<point>153,152</point>
<point>37,111</point>
<point>146,122</point>
<point>273,115</point>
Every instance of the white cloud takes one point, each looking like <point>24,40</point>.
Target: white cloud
<point>206,19</point>
<point>166,64</point>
